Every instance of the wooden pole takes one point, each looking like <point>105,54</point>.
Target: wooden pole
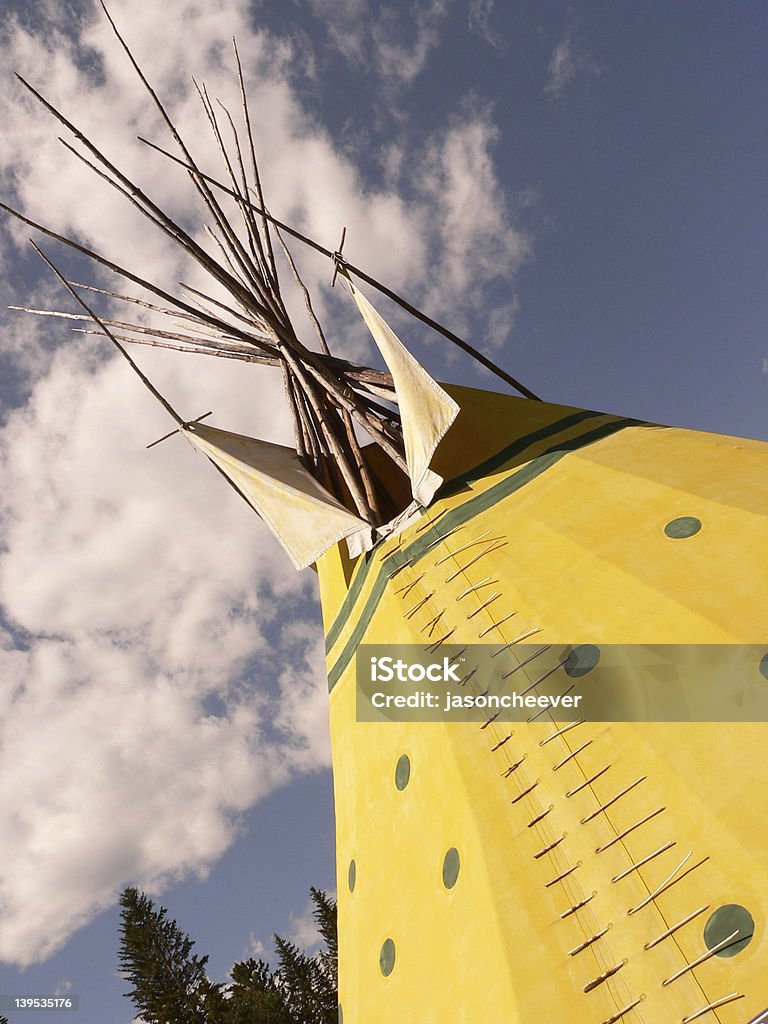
<point>351,268</point>
<point>81,302</point>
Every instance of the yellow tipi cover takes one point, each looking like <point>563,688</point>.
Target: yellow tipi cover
<point>546,871</point>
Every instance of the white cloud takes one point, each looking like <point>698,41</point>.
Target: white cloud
<point>145,586</point>
<point>479,21</point>
<point>562,66</point>
<point>478,239</point>
<point>569,60</point>
<point>302,930</point>
<point>125,778</point>
<point>140,582</point>
<point>392,42</point>
<point>304,697</point>
<point>135,584</point>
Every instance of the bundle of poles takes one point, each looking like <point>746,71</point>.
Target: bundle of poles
<point>328,397</point>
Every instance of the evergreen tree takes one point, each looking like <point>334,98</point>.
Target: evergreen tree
<point>326,917</point>
<point>170,985</point>
<point>310,983</point>
<point>256,995</point>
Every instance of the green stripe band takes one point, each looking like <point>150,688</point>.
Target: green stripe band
<point>517,447</point>
<point>458,517</point>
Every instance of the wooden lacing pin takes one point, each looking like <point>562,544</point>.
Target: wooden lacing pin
<point>465,679</point>
<point>469,544</point>
<point>621,835</point>
<point>457,655</point>
<point>535,682</point>
<point>494,547</point>
<point>578,906</point>
<point>539,817</point>
<point>430,626</point>
<point>546,675</point>
<point>493,597</point>
<point>715,1004</point>
<point>471,590</point>
<point>403,565</point>
<point>588,942</point>
<point>612,801</point>
<point>513,767</point>
<point>596,982</point>
<point>562,875</point>
<point>570,756</point>
<point>517,640</point>
<point>525,792</point>
<point>525,661</point>
<point>623,1012</point>
<point>701,959</point>
<point>676,927</point>
<point>190,424</point>
<point>339,263</point>
<point>545,710</point>
<point>442,537</point>
<point>491,719</point>
<point>409,586</point>
<point>501,743</point>
<point>495,625</point>
<point>645,860</point>
<point>431,522</point>
<point>669,881</point>
<point>419,604</point>
<point>433,647</point>
<point>550,846</point>
<point>587,782</point>
<point>560,732</point>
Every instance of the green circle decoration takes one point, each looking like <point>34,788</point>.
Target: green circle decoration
<point>387,958</point>
<point>724,922</point>
<point>402,771</point>
<point>682,527</point>
<point>582,659</point>
<point>764,666</point>
<point>352,876</point>
<point>341,1015</point>
<point>451,865</point>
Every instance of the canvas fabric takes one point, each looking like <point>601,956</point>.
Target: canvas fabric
<point>302,515</point>
<point>425,409</point>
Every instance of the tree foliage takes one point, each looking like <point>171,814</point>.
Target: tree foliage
<point>170,984</point>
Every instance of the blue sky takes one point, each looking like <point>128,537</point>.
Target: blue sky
<point>577,188</point>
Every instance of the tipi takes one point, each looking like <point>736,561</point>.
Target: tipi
<point>551,869</point>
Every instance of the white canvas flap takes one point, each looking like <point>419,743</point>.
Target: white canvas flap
<point>302,515</point>
<point>425,409</point>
